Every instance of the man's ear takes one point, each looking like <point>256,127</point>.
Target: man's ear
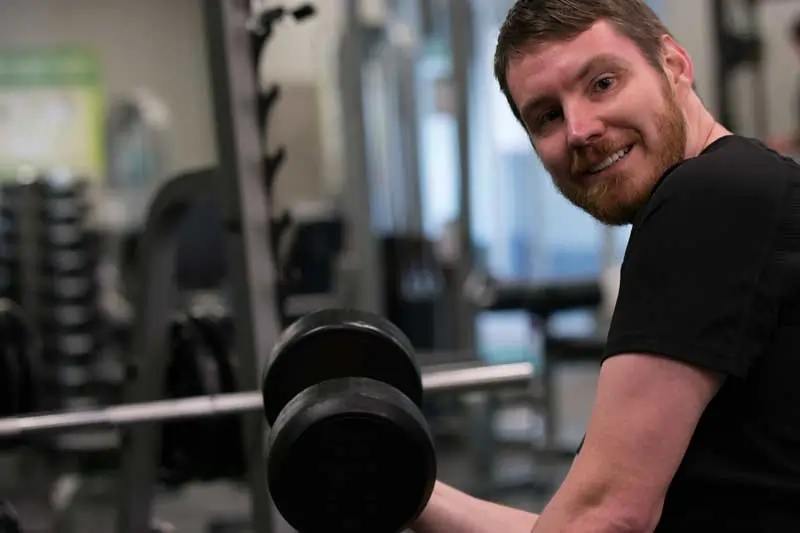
<point>678,65</point>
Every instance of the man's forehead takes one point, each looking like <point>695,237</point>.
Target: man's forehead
<point>557,63</point>
<point>602,38</point>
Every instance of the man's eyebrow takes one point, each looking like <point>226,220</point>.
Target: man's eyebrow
<point>590,66</point>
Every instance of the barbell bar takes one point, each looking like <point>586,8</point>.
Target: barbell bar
<point>459,380</point>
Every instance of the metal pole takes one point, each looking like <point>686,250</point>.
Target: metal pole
<point>758,72</point>
<point>461,30</point>
<point>478,379</point>
<point>251,267</point>
<point>156,299</point>
<point>454,381</point>
<point>364,276</point>
<point>123,415</point>
<point>404,46</point>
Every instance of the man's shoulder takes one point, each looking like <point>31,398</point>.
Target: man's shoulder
<point>733,172</point>
<point>733,162</point>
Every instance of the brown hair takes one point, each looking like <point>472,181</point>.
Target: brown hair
<point>532,22</point>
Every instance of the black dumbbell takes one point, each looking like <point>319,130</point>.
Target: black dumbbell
<point>349,449</point>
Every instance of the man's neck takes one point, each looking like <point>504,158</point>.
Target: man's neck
<point>702,128</point>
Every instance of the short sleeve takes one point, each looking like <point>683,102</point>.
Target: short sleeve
<point>694,284</point>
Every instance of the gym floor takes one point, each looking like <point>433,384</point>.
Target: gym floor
<point>195,508</point>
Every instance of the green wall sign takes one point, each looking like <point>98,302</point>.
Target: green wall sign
<point>51,111</point>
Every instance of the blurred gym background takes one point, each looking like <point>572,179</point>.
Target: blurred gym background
<point>402,185</point>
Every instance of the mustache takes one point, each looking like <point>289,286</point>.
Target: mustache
<point>590,156</point>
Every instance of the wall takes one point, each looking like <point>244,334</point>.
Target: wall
<point>159,45</point>
<point>782,66</point>
<point>147,43</point>
<point>690,22</point>
<point>305,55</point>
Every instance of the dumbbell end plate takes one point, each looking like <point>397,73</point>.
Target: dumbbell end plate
<point>351,455</point>
<point>339,343</point>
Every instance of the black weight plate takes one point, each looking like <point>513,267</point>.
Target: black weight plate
<point>26,343</point>
<point>351,455</point>
<point>187,445</point>
<point>223,446</point>
<point>12,374</point>
<point>339,343</point>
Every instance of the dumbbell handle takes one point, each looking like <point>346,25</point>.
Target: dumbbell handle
<point>456,380</point>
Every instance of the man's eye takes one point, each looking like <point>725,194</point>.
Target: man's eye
<point>549,116</point>
<point>604,84</point>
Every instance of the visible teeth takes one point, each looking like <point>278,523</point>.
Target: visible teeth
<point>610,160</point>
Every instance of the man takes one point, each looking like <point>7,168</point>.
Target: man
<point>790,143</point>
<point>696,422</point>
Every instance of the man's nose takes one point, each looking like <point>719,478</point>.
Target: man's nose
<point>583,124</point>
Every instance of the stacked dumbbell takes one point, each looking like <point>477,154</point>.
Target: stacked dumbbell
<point>68,309</point>
<point>21,370</point>
<point>12,207</point>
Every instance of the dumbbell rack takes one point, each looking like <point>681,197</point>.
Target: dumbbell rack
<point>238,183</point>
<point>48,271</point>
<point>67,288</point>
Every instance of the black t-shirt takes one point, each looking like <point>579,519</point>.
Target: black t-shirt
<point>711,276</point>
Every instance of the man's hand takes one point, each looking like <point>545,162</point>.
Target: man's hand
<point>452,511</point>
<point>643,418</point>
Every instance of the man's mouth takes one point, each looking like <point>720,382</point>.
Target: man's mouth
<point>610,160</point>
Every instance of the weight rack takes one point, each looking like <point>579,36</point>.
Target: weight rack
<point>237,181</point>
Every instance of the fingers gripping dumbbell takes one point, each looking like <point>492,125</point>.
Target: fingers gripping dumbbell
<point>349,449</point>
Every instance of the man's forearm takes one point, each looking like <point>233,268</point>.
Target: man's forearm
<point>452,511</point>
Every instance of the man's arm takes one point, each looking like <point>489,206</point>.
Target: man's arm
<point>645,412</point>
<point>644,415</point>
<point>452,511</point>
